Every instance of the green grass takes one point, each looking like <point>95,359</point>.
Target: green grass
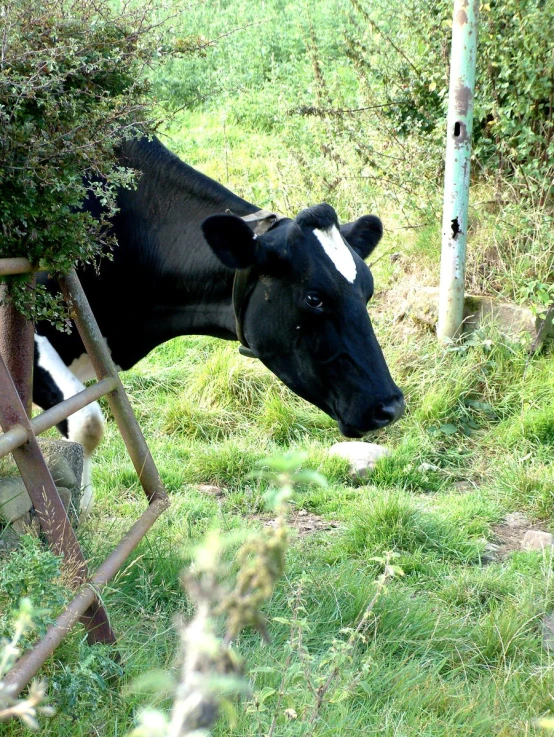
<point>455,647</point>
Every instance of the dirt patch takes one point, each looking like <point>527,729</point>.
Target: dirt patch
<point>506,540</point>
<point>508,536</point>
<point>306,523</point>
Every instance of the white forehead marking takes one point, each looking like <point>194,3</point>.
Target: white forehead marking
<point>338,251</point>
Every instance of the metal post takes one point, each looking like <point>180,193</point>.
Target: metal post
<point>457,167</point>
<point>103,365</point>
<point>19,439</point>
<point>17,347</point>
<point>48,505</point>
<point>28,665</point>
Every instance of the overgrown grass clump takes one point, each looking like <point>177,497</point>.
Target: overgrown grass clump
<point>454,647</point>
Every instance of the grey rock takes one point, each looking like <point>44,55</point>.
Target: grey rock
<point>361,456</point>
<point>537,540</point>
<point>421,306</point>
<point>510,318</point>
<point>65,496</point>
<point>516,519</point>
<point>65,462</point>
<point>9,540</point>
<point>16,505</point>
<point>462,487</point>
<point>62,472</point>
<point>14,499</point>
<point>210,489</point>
<point>26,525</point>
<point>546,329</point>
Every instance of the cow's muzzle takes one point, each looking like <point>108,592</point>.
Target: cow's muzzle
<point>382,415</point>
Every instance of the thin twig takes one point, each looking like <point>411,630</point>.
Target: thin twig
<point>322,690</point>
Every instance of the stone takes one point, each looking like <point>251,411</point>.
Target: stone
<point>421,306</point>
<point>16,505</point>
<point>9,540</point>
<point>210,489</point>
<point>65,496</point>
<point>26,525</point>
<point>511,319</point>
<point>546,329</point>
<point>516,519</point>
<point>14,499</point>
<point>462,487</point>
<point>65,462</point>
<point>361,456</point>
<point>537,540</point>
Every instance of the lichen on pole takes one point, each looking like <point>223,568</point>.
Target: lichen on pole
<point>457,167</point>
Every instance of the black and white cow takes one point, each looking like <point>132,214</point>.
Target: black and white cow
<point>300,303</point>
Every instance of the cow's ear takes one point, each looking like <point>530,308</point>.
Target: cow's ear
<point>232,241</point>
<point>363,235</point>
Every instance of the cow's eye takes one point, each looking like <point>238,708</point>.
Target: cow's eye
<point>314,301</point>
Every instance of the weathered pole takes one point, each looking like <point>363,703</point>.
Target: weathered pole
<point>457,167</point>
<point>17,347</point>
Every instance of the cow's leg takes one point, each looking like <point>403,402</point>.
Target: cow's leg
<point>54,382</point>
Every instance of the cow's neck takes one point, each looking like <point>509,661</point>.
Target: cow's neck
<point>175,280</point>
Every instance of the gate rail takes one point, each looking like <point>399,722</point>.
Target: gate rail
<point>19,438</point>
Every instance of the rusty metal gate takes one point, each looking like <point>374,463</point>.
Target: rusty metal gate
<point>19,438</point>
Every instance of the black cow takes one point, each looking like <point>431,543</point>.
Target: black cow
<point>299,305</point>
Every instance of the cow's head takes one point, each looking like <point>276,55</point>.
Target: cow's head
<point>306,312</point>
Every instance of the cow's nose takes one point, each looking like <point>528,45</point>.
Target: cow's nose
<point>388,412</point>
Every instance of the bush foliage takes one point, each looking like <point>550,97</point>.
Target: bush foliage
<point>73,84</point>
<point>514,125</point>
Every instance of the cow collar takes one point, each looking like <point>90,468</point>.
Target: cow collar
<point>263,221</point>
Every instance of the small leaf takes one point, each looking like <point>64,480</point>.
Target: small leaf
<point>481,406</point>
<point>265,693</point>
<point>340,696</point>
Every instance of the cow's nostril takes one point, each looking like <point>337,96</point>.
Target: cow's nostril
<point>386,413</point>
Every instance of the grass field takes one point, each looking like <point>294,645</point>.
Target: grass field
<point>454,647</point>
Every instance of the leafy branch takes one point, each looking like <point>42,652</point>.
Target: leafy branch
<point>28,708</point>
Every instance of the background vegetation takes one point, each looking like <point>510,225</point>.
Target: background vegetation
<point>73,84</point>
<point>297,103</point>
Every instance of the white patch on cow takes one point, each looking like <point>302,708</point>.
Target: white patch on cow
<point>82,368</point>
<point>337,250</point>
<point>85,426</point>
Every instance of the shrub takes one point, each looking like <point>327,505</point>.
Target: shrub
<point>513,118</point>
<point>73,84</point>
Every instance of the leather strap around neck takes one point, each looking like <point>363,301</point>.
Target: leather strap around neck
<point>264,220</point>
<point>242,283</point>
